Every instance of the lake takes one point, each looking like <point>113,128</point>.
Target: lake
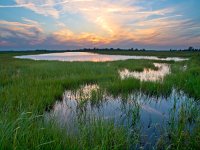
<point>93,57</point>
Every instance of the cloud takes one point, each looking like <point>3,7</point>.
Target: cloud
<point>117,22</point>
<point>44,7</point>
<point>4,43</point>
<point>67,36</point>
<point>29,32</point>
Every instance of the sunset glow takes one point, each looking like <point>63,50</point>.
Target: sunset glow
<point>74,24</point>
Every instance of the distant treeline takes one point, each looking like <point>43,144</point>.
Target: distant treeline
<point>118,49</point>
<point>191,49</point>
<point>136,49</point>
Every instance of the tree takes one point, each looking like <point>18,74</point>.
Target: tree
<point>190,48</point>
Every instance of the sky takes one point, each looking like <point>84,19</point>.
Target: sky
<point>76,24</point>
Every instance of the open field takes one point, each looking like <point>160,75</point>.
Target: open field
<point>30,88</point>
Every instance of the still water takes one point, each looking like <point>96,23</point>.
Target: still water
<point>147,74</point>
<point>149,114</point>
<point>93,57</point>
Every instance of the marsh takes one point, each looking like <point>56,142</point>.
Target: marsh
<point>89,104</point>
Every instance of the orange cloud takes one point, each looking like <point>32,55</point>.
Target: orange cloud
<point>114,21</point>
<point>66,35</point>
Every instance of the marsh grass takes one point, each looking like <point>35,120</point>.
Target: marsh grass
<point>28,88</point>
<point>183,129</point>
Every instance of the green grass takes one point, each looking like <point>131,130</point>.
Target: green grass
<point>161,54</point>
<point>28,88</point>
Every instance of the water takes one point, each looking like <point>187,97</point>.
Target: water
<point>151,115</point>
<point>147,74</point>
<point>93,57</point>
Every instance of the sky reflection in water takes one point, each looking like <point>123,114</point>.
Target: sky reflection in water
<point>149,113</point>
<point>93,57</point>
<point>147,74</point>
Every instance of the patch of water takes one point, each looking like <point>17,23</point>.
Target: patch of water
<point>150,114</point>
<point>147,74</point>
<point>84,93</point>
<point>93,57</point>
<point>185,67</point>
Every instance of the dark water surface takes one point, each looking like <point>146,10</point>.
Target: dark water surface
<point>148,114</point>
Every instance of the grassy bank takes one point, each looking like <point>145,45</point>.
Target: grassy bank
<point>28,88</point>
<point>150,53</point>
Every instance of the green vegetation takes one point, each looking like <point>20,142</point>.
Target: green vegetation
<point>28,88</point>
<point>150,53</point>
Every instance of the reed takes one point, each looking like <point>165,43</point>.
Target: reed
<point>28,88</point>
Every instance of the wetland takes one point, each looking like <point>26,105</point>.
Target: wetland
<point>101,100</point>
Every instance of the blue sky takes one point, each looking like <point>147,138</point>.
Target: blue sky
<point>74,24</point>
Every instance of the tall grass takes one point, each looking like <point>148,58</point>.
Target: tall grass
<point>28,88</point>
